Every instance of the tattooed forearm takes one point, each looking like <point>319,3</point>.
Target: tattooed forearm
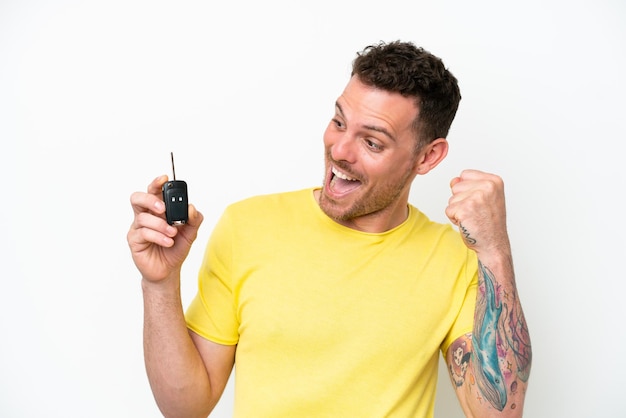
<point>489,377</point>
<point>499,346</point>
<point>490,366</point>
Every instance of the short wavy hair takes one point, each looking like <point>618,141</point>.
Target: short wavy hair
<point>404,68</point>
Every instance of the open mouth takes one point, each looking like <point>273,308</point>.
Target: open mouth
<point>340,183</point>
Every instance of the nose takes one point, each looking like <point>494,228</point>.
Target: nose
<point>342,148</point>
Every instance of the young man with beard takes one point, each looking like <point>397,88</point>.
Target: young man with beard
<point>335,301</point>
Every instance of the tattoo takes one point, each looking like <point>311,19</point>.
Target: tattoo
<point>518,339</point>
<point>460,360</point>
<point>499,346</point>
<point>489,377</point>
<point>466,235</point>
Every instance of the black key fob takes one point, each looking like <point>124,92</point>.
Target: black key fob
<point>175,199</point>
<point>176,203</point>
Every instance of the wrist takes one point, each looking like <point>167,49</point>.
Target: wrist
<point>168,285</point>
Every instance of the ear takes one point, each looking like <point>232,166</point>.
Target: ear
<point>431,155</point>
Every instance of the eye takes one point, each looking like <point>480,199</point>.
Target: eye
<point>338,123</point>
<point>373,145</point>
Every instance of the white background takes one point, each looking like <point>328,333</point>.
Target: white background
<point>95,94</point>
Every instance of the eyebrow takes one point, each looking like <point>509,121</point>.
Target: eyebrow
<point>368,127</point>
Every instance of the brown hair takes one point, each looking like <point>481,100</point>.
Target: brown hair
<point>403,68</point>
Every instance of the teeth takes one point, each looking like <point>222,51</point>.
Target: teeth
<point>341,175</point>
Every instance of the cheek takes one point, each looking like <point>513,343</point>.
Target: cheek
<point>391,171</point>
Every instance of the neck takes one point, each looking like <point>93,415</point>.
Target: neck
<point>376,222</point>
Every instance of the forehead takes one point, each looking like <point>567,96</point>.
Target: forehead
<point>369,106</point>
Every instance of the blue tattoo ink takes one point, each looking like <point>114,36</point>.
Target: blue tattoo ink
<point>488,374</point>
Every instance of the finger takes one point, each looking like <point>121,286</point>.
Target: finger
<point>189,231</point>
<point>157,184</point>
<point>471,181</point>
<point>481,176</point>
<point>141,238</point>
<point>195,218</point>
<point>478,185</point>
<point>471,174</point>
<point>154,222</point>
<point>451,214</point>
<point>454,181</point>
<point>465,181</point>
<point>458,204</point>
<point>142,202</point>
<point>152,229</point>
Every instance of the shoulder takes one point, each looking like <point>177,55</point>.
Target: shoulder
<point>265,220</point>
<point>270,202</point>
<point>440,240</point>
<point>269,209</point>
<point>435,230</point>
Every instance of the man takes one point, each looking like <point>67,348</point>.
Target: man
<point>335,301</point>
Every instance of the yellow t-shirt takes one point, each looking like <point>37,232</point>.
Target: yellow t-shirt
<point>330,321</point>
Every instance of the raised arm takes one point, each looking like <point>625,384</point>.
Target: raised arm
<point>491,366</point>
<point>187,373</point>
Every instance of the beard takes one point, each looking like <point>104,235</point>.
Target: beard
<point>367,199</point>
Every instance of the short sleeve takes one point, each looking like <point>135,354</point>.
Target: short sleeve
<point>212,312</point>
<point>464,322</point>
